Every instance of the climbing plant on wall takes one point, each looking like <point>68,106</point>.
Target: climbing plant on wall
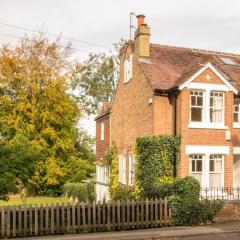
<point>157,157</point>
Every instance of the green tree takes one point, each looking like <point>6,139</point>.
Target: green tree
<point>96,79</point>
<point>38,116</point>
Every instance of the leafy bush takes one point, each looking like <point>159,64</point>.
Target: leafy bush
<point>157,156</point>
<point>83,192</point>
<point>122,193</point>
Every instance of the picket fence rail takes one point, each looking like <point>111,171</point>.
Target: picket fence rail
<point>21,221</point>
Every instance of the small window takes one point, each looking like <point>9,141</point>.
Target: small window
<point>216,107</point>
<point>236,112</point>
<point>102,131</point>
<point>128,69</point>
<point>196,105</point>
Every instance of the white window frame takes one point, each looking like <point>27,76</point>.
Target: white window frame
<point>206,123</point>
<point>195,172</point>
<point>102,173</point>
<point>222,169</point>
<point>223,107</point>
<point>128,69</point>
<point>207,151</point>
<point>131,168</point>
<point>102,131</point>
<point>122,169</point>
<point>236,103</point>
<point>203,106</point>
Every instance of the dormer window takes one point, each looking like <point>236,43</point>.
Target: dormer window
<point>128,69</point>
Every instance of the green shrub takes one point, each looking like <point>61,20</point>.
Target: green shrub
<point>122,193</point>
<point>83,192</point>
<point>210,208</point>
<point>185,203</point>
<point>186,206</point>
<point>187,187</point>
<point>156,156</point>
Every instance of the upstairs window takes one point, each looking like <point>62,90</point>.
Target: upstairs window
<point>236,111</point>
<point>216,107</point>
<point>128,69</point>
<point>102,131</point>
<point>196,105</point>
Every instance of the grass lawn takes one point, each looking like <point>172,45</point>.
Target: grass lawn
<point>34,200</point>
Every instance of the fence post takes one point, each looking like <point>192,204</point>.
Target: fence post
<point>108,216</point>
<point>94,216</point>
<point>118,215</point>
<point>14,221</point>
<point>52,218</point>
<point>165,211</point>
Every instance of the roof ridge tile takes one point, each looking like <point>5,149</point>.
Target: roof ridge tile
<point>199,50</point>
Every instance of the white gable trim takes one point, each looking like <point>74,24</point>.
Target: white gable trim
<point>211,67</point>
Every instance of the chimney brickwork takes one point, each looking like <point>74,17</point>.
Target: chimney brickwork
<point>142,38</point>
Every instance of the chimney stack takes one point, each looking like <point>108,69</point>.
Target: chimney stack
<point>142,38</point>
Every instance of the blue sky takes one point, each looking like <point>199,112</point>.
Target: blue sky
<point>209,24</point>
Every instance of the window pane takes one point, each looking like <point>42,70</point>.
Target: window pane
<point>193,102</point>
<point>215,180</point>
<point>193,165</point>
<point>199,166</point>
<point>196,114</point>
<point>211,167</point>
<point>235,117</point>
<point>199,101</point>
<point>215,115</point>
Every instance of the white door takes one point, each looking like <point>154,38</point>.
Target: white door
<point>236,170</point>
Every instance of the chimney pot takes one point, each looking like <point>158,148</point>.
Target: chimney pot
<point>140,18</point>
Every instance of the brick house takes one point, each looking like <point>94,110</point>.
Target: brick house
<point>174,90</point>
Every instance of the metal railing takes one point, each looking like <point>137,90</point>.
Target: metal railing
<point>227,193</point>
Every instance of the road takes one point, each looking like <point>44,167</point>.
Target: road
<point>231,236</point>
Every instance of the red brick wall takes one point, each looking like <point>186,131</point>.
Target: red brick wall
<point>229,212</point>
<point>198,136</point>
<point>131,114</point>
<point>102,145</point>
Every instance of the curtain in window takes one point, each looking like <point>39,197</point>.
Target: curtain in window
<point>215,171</point>
<point>216,104</point>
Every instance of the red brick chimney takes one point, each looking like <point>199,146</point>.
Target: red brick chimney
<point>140,20</point>
<point>142,38</point>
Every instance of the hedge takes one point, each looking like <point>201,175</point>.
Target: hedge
<point>156,157</point>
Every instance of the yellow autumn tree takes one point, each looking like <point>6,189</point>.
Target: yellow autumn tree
<point>36,104</point>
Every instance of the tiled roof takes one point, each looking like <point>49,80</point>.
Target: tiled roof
<point>105,110</point>
<point>168,66</point>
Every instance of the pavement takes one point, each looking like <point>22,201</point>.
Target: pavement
<point>228,230</point>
